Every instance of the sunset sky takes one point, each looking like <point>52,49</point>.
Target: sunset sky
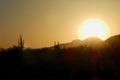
<point>41,22</point>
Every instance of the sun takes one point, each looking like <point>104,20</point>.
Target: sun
<point>93,28</point>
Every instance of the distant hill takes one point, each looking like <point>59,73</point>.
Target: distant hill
<point>74,43</point>
<point>92,42</point>
<point>113,41</point>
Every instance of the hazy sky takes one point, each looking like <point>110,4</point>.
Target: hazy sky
<point>41,22</point>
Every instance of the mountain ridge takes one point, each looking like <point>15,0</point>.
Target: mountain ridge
<point>91,41</point>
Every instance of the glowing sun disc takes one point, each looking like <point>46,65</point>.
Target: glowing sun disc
<point>93,28</point>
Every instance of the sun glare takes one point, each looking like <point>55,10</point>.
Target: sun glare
<point>93,28</point>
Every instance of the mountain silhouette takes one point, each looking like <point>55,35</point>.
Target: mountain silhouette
<point>93,39</point>
<point>74,43</point>
<point>92,42</point>
<point>114,39</point>
<point>113,42</point>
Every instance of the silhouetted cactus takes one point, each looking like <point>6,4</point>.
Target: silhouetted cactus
<point>21,43</point>
<point>56,46</point>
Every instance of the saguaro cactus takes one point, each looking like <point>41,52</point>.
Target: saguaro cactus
<point>20,42</point>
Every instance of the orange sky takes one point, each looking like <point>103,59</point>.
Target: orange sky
<point>41,22</point>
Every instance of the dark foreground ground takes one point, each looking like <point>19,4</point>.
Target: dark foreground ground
<point>80,63</point>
